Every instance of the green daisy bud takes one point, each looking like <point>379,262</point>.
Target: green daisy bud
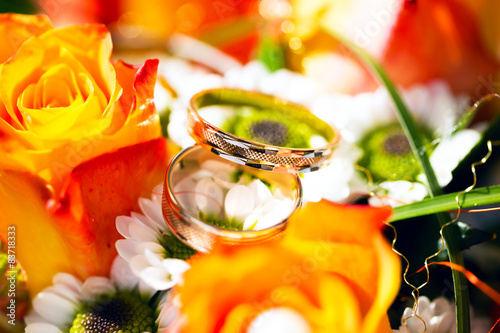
<point>388,156</point>
<point>176,249</point>
<point>119,312</point>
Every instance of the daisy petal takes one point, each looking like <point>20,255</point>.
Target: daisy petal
<point>153,258</point>
<point>450,152</point>
<point>138,264</point>
<point>142,233</point>
<point>65,292</point>
<point>169,312</point>
<point>239,202</point>
<point>53,308</point>
<point>140,219</point>
<point>157,277</point>
<point>96,285</point>
<point>122,276</point>
<point>68,280</point>
<point>175,267</point>
<point>42,328</point>
<point>126,248</point>
<point>153,247</point>
<point>122,225</point>
<point>157,195</point>
<point>33,317</point>
<point>153,212</point>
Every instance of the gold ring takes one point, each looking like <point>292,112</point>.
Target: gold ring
<point>257,154</point>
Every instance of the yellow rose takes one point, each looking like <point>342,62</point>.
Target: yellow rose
<point>80,142</point>
<point>66,103</point>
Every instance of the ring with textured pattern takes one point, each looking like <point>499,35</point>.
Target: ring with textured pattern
<point>257,154</point>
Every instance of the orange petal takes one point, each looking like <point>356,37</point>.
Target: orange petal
<point>326,221</point>
<point>257,281</point>
<point>54,157</point>
<point>386,286</point>
<point>106,187</point>
<point>125,75</point>
<point>41,247</point>
<point>449,26</point>
<point>76,233</point>
<point>347,241</point>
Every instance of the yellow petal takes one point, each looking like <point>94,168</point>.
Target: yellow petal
<point>91,46</point>
<point>23,199</point>
<point>17,28</point>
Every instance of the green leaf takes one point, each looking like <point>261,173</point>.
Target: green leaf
<point>462,173</point>
<point>467,236</point>
<point>446,202</point>
<point>415,139</point>
<point>164,121</point>
<point>468,115</point>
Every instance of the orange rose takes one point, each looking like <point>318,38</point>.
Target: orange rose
<point>66,103</point>
<point>333,271</point>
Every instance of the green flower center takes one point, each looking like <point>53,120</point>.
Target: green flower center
<point>121,312</point>
<point>176,249</point>
<point>388,156</point>
<point>228,224</point>
<point>397,144</point>
<point>269,127</point>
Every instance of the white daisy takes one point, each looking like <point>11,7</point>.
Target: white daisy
<point>155,255</point>
<point>369,121</point>
<point>339,179</point>
<point>221,194</point>
<point>118,302</point>
<point>439,317</point>
<point>433,104</point>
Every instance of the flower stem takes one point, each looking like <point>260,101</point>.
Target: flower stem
<point>409,127</point>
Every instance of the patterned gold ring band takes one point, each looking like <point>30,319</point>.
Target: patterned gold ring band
<point>256,154</point>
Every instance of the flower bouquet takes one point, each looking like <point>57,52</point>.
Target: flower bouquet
<point>249,166</point>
